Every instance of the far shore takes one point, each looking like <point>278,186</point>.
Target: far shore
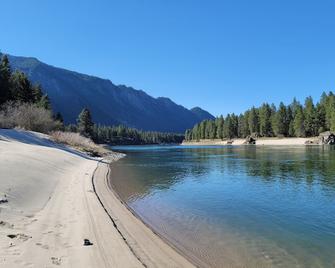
<point>260,141</point>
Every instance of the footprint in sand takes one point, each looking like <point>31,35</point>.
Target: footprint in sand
<point>42,246</point>
<point>56,261</point>
<point>59,225</point>
<point>49,232</point>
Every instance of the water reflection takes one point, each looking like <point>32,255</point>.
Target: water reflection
<point>242,206</point>
<point>159,169</point>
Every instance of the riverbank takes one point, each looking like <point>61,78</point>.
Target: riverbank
<point>49,206</point>
<point>260,141</point>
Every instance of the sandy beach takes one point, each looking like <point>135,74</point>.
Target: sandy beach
<point>260,141</point>
<point>54,197</point>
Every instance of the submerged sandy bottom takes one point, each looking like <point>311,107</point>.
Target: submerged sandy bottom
<point>235,207</point>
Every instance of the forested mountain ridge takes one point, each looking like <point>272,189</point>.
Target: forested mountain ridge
<point>293,120</point>
<point>109,104</point>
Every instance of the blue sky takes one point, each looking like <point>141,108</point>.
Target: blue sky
<point>224,56</point>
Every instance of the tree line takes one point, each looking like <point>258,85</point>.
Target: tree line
<point>119,135</point>
<point>293,120</point>
<point>16,87</point>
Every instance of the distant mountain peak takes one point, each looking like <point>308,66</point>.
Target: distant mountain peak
<point>201,114</point>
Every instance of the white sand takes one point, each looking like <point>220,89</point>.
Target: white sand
<point>260,141</point>
<point>52,207</point>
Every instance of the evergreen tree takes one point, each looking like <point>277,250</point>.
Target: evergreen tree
<point>294,106</point>
<point>311,126</point>
<point>85,123</point>
<point>203,129</point>
<point>321,117</point>
<point>292,120</point>
<point>211,129</point>
<point>228,131</point>
<point>240,126</point>
<point>44,102</point>
<point>219,127</point>
<point>328,102</point>
<point>245,124</point>
<point>21,88</point>
<point>253,121</point>
<point>298,122</point>
<point>234,125</point>
<point>58,117</point>
<point>265,127</point>
<point>37,93</point>
<point>5,77</point>
<point>290,124</point>
<point>280,121</point>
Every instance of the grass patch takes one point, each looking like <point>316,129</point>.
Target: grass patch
<point>79,142</point>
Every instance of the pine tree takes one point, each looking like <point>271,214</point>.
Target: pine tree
<point>44,102</point>
<point>280,121</point>
<point>311,126</point>
<point>265,128</point>
<point>289,120</point>
<point>227,127</point>
<point>21,88</point>
<point>5,77</point>
<point>298,122</point>
<point>253,121</point>
<point>58,117</point>
<point>332,120</point>
<point>219,127</point>
<point>85,124</point>
<point>234,123</point>
<point>321,117</point>
<point>245,124</point>
<point>37,93</point>
<point>211,129</point>
<point>240,126</point>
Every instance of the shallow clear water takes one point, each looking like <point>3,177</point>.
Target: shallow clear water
<point>242,206</point>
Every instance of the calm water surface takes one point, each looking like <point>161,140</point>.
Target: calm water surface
<point>242,206</point>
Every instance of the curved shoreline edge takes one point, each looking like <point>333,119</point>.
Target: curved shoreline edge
<point>51,209</point>
<point>150,248</point>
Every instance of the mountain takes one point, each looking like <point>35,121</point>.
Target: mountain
<point>201,114</point>
<point>109,104</point>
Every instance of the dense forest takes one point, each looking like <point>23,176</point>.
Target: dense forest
<point>130,136</point>
<point>120,135</point>
<point>293,120</point>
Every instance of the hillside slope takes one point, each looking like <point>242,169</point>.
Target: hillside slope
<point>110,104</point>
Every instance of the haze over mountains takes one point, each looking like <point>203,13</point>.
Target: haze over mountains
<point>109,104</point>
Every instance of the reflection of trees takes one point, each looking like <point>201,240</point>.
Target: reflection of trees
<point>143,172</point>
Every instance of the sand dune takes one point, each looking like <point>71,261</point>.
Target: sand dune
<point>52,208</point>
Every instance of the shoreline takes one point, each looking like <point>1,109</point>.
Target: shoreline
<point>151,248</point>
<point>52,208</point>
<point>261,141</point>
<point>183,252</point>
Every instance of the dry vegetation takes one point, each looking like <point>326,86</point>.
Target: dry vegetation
<point>27,116</point>
<point>79,142</point>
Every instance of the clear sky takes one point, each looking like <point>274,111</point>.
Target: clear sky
<point>224,56</point>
